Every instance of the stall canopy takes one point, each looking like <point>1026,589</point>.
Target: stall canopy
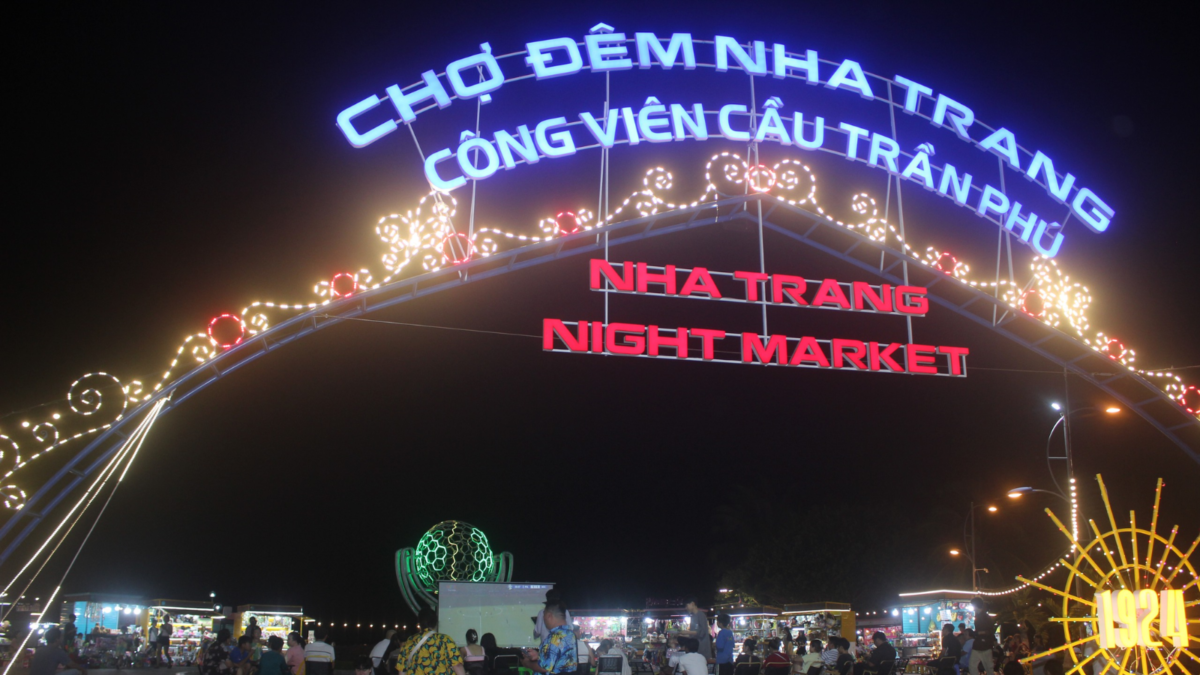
<point>822,620</point>
<point>191,619</point>
<point>660,622</point>
<point>272,619</point>
<point>925,611</point>
<point>884,622</point>
<point>750,620</point>
<point>878,620</point>
<point>736,610</point>
<point>598,624</point>
<point>103,612</point>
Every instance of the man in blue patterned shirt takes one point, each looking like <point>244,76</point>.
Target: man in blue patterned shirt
<point>557,654</point>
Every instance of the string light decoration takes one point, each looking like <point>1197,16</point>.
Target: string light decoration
<point>946,263</point>
<point>1138,635</point>
<point>221,323</point>
<point>342,285</point>
<point>427,234</point>
<point>1047,572</point>
<point>86,398</point>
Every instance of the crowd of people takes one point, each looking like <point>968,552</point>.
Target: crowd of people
<point>102,648</point>
<point>989,649</point>
<point>698,650</point>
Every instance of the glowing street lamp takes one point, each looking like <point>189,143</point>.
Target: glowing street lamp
<point>969,521</point>
<point>1017,493</point>
<point>1071,495</point>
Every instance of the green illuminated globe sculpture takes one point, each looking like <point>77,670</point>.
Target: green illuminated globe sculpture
<point>452,550</point>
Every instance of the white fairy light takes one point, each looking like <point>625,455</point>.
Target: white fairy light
<point>427,233</point>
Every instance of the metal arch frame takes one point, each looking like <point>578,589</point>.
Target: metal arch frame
<point>798,224</point>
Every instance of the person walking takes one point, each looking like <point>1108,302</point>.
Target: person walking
<point>553,597</point>
<point>69,631</point>
<point>380,650</point>
<point>164,642</point>
<point>295,653</point>
<point>557,654</point>
<point>724,645</point>
<point>982,645</point>
<point>429,652</point>
<point>699,629</point>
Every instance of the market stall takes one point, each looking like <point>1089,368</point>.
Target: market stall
<point>272,619</point>
<point>924,613</point>
<point>658,626</point>
<point>820,620</point>
<point>192,623</point>
<point>600,624</point>
<point>101,614</point>
<point>887,622</point>
<point>17,620</point>
<point>753,621</point>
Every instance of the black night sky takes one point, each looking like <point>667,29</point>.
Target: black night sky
<point>172,162</point>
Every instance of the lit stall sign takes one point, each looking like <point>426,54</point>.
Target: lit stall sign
<point>1126,618</point>
<point>481,76</point>
<point>707,344</point>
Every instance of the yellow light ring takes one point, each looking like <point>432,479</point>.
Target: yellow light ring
<point>1114,578</point>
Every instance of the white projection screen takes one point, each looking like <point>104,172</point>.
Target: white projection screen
<point>502,609</point>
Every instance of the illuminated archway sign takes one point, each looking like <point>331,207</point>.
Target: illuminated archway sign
<point>603,50</point>
<point>785,290</point>
<point>430,246</point>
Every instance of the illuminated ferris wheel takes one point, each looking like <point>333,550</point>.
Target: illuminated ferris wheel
<point>1143,589</point>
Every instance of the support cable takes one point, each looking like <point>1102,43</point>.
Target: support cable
<point>900,206</point>
<point>50,601</point>
<point>753,149</point>
<point>474,183</point>
<point>604,172</point>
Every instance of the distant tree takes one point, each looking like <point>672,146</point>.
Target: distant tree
<point>1027,604</point>
<point>826,552</point>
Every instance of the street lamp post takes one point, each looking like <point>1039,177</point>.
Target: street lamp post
<point>1071,495</point>
<point>975,569</point>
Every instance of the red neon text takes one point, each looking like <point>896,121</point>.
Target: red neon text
<point>650,341</point>
<point>758,287</point>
